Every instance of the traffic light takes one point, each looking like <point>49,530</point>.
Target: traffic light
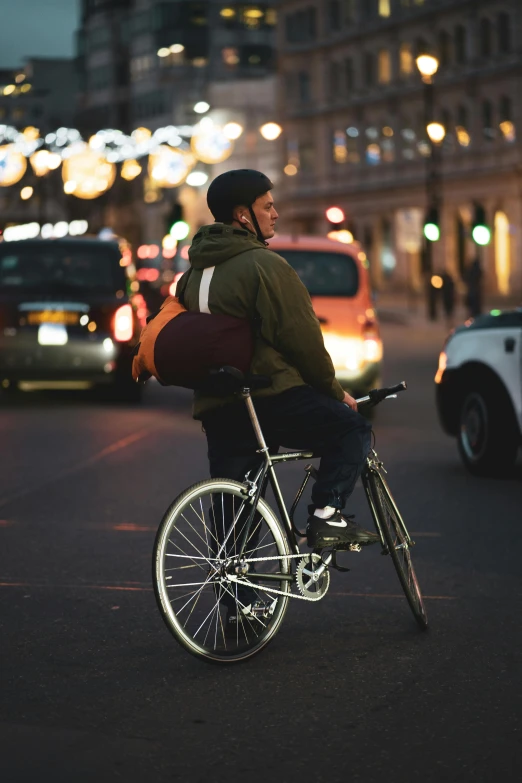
<point>175,225</point>
<point>432,225</point>
<point>480,231</point>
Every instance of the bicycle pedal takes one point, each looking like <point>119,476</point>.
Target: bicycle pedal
<point>336,565</point>
<point>355,548</point>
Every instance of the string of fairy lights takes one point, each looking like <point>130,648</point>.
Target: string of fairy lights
<point>89,167</point>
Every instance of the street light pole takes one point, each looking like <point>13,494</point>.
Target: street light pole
<point>428,66</point>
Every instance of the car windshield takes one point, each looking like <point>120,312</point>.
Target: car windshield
<point>325,273</point>
<point>54,267</point>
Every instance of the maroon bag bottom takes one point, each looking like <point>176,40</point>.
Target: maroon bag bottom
<point>193,344</point>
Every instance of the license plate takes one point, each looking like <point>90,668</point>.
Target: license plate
<point>52,334</point>
<point>53,317</point>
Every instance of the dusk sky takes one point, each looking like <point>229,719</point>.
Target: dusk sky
<point>36,28</point>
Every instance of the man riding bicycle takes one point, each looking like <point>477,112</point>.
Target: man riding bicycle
<point>233,272</point>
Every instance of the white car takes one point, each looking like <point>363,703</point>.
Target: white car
<point>479,390</point>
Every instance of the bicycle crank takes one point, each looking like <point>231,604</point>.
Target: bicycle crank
<point>312,577</point>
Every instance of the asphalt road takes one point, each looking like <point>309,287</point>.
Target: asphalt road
<point>94,688</point>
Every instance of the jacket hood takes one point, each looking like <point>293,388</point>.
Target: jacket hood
<point>218,242</point>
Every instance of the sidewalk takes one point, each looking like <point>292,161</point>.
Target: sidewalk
<point>402,310</point>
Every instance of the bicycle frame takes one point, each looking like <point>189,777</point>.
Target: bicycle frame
<point>266,473</point>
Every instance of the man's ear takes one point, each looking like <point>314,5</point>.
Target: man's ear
<point>237,212</point>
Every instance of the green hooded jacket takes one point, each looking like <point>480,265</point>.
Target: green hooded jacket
<point>250,281</point>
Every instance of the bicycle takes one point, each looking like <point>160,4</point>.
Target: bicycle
<point>230,531</point>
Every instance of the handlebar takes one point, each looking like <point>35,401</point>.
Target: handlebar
<point>375,396</point>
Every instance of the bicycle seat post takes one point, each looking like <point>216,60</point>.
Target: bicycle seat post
<point>246,396</point>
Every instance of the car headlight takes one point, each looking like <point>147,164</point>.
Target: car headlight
<point>372,349</point>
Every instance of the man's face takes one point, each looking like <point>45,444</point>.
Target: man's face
<point>266,214</point>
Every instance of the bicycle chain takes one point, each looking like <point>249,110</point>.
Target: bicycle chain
<point>237,580</point>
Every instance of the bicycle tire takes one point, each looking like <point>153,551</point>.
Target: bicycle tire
<point>177,520</point>
<point>396,540</point>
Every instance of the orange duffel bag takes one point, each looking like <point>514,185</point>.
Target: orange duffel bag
<point>182,348</point>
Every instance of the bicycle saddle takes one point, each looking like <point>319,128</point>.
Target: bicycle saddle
<point>229,380</point>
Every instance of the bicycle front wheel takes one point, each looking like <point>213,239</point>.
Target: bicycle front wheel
<point>211,599</point>
<point>397,542</point>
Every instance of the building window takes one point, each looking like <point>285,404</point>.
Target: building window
<point>348,12</point>
<point>230,56</point>
<point>334,15</point>
<point>461,129</point>
<point>485,38</point>
<point>406,62</point>
<point>444,48</point>
<point>384,66</point>
<point>506,108</point>
<point>503,33</point>
<point>369,69</point>
<point>334,86</point>
<point>388,144</point>
<point>301,26</point>
<point>307,157</point>
<point>368,9</point>
<point>487,120</point>
<point>100,78</point>
<point>349,76</point>
<point>141,66</point>
<point>408,142</point>
<point>461,44</point>
<point>352,144</point>
<point>303,86</point>
<point>506,124</point>
<point>384,7</point>
<point>373,154</point>
<point>340,151</point>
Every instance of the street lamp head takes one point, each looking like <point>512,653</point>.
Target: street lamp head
<point>428,65</point>
<point>436,132</point>
<point>270,131</point>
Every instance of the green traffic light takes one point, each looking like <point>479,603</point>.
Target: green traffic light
<point>180,230</point>
<point>432,232</point>
<point>481,235</point>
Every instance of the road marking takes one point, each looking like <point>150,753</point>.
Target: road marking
<point>123,443</point>
<point>142,587</point>
<point>399,595</point>
<point>425,535</point>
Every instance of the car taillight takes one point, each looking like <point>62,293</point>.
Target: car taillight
<point>123,326</point>
<point>443,363</point>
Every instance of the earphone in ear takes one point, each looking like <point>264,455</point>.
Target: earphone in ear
<point>245,220</point>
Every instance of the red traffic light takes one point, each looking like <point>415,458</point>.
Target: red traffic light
<point>335,215</point>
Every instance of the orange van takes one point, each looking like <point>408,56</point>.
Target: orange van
<point>336,276</point>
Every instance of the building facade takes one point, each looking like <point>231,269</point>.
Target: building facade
<point>41,95</point>
<point>148,63</point>
<point>353,107</point>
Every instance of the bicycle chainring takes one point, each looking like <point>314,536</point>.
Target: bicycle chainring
<point>310,584</point>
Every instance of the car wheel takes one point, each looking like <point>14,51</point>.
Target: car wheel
<point>488,436</point>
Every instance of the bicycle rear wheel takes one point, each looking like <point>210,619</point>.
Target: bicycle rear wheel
<point>397,542</point>
<point>195,565</point>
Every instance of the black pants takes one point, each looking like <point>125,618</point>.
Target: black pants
<point>300,418</point>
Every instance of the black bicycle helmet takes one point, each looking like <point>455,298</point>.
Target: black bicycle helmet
<point>239,186</point>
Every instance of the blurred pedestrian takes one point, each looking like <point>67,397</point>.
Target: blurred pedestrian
<point>448,298</point>
<point>473,281</point>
